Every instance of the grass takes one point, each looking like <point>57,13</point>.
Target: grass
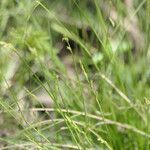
<point>74,74</point>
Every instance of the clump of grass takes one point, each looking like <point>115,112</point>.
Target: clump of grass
<point>74,74</point>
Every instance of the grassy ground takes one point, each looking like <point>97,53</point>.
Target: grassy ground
<point>74,74</point>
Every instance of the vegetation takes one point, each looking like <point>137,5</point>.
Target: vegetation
<point>75,74</point>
